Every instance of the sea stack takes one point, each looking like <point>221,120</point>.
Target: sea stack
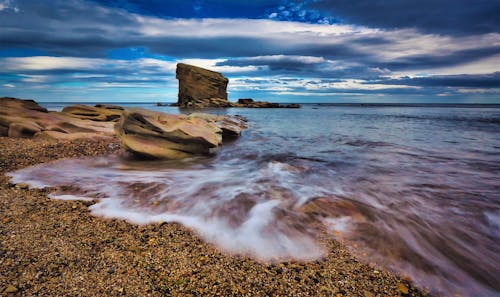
<point>200,88</point>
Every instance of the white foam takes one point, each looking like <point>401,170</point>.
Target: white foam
<point>202,198</point>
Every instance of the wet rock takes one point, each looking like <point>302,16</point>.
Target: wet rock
<point>199,87</point>
<point>109,106</point>
<point>250,103</point>
<point>231,126</point>
<point>168,136</point>
<point>245,100</point>
<point>402,288</point>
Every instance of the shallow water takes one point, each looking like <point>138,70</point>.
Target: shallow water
<point>412,188</point>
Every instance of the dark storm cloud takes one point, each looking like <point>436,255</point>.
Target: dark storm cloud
<point>455,17</point>
<point>97,42</point>
<point>438,60</point>
<point>475,81</point>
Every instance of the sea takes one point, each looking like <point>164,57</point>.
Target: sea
<point>418,187</point>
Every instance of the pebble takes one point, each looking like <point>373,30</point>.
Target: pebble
<point>402,288</point>
<point>22,186</point>
<point>160,260</point>
<point>10,289</point>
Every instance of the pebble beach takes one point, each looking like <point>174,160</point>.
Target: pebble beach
<point>56,248</point>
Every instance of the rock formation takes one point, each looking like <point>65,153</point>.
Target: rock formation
<point>167,136</point>
<point>250,103</point>
<point>200,88</point>
<point>25,118</point>
<point>142,132</point>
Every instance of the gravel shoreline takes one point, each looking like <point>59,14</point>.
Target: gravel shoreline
<point>56,248</point>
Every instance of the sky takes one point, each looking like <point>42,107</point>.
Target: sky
<point>364,51</point>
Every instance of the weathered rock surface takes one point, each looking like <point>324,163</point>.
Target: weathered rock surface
<point>168,136</point>
<point>100,112</point>
<point>26,119</point>
<point>203,88</point>
<point>142,132</point>
<point>200,88</point>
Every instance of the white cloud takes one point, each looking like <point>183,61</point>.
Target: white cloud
<point>8,86</point>
<point>8,4</point>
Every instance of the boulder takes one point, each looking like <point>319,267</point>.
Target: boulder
<point>142,132</point>
<point>167,136</point>
<point>200,88</point>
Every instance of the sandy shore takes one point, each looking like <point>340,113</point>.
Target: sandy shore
<point>55,248</point>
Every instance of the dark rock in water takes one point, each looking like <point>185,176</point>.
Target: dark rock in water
<point>200,88</point>
<point>109,106</point>
<point>245,100</point>
<point>250,103</point>
<point>168,136</point>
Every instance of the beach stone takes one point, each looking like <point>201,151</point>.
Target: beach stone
<point>167,136</point>
<point>10,289</point>
<point>200,88</point>
<point>22,186</point>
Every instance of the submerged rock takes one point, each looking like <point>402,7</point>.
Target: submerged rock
<point>167,136</point>
<point>200,88</point>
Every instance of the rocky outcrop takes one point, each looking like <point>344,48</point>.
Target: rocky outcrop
<point>201,88</point>
<point>142,132</point>
<point>25,118</point>
<point>250,103</point>
<point>167,136</point>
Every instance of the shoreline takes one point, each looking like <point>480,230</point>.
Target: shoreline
<point>54,247</point>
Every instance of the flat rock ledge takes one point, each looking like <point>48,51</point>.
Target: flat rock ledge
<point>142,132</point>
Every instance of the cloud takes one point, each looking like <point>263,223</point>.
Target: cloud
<point>71,44</point>
<point>491,80</point>
<point>451,17</point>
<point>8,4</point>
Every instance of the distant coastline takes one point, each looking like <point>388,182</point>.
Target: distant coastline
<point>449,105</point>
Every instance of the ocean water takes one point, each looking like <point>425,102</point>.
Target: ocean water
<point>414,189</point>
